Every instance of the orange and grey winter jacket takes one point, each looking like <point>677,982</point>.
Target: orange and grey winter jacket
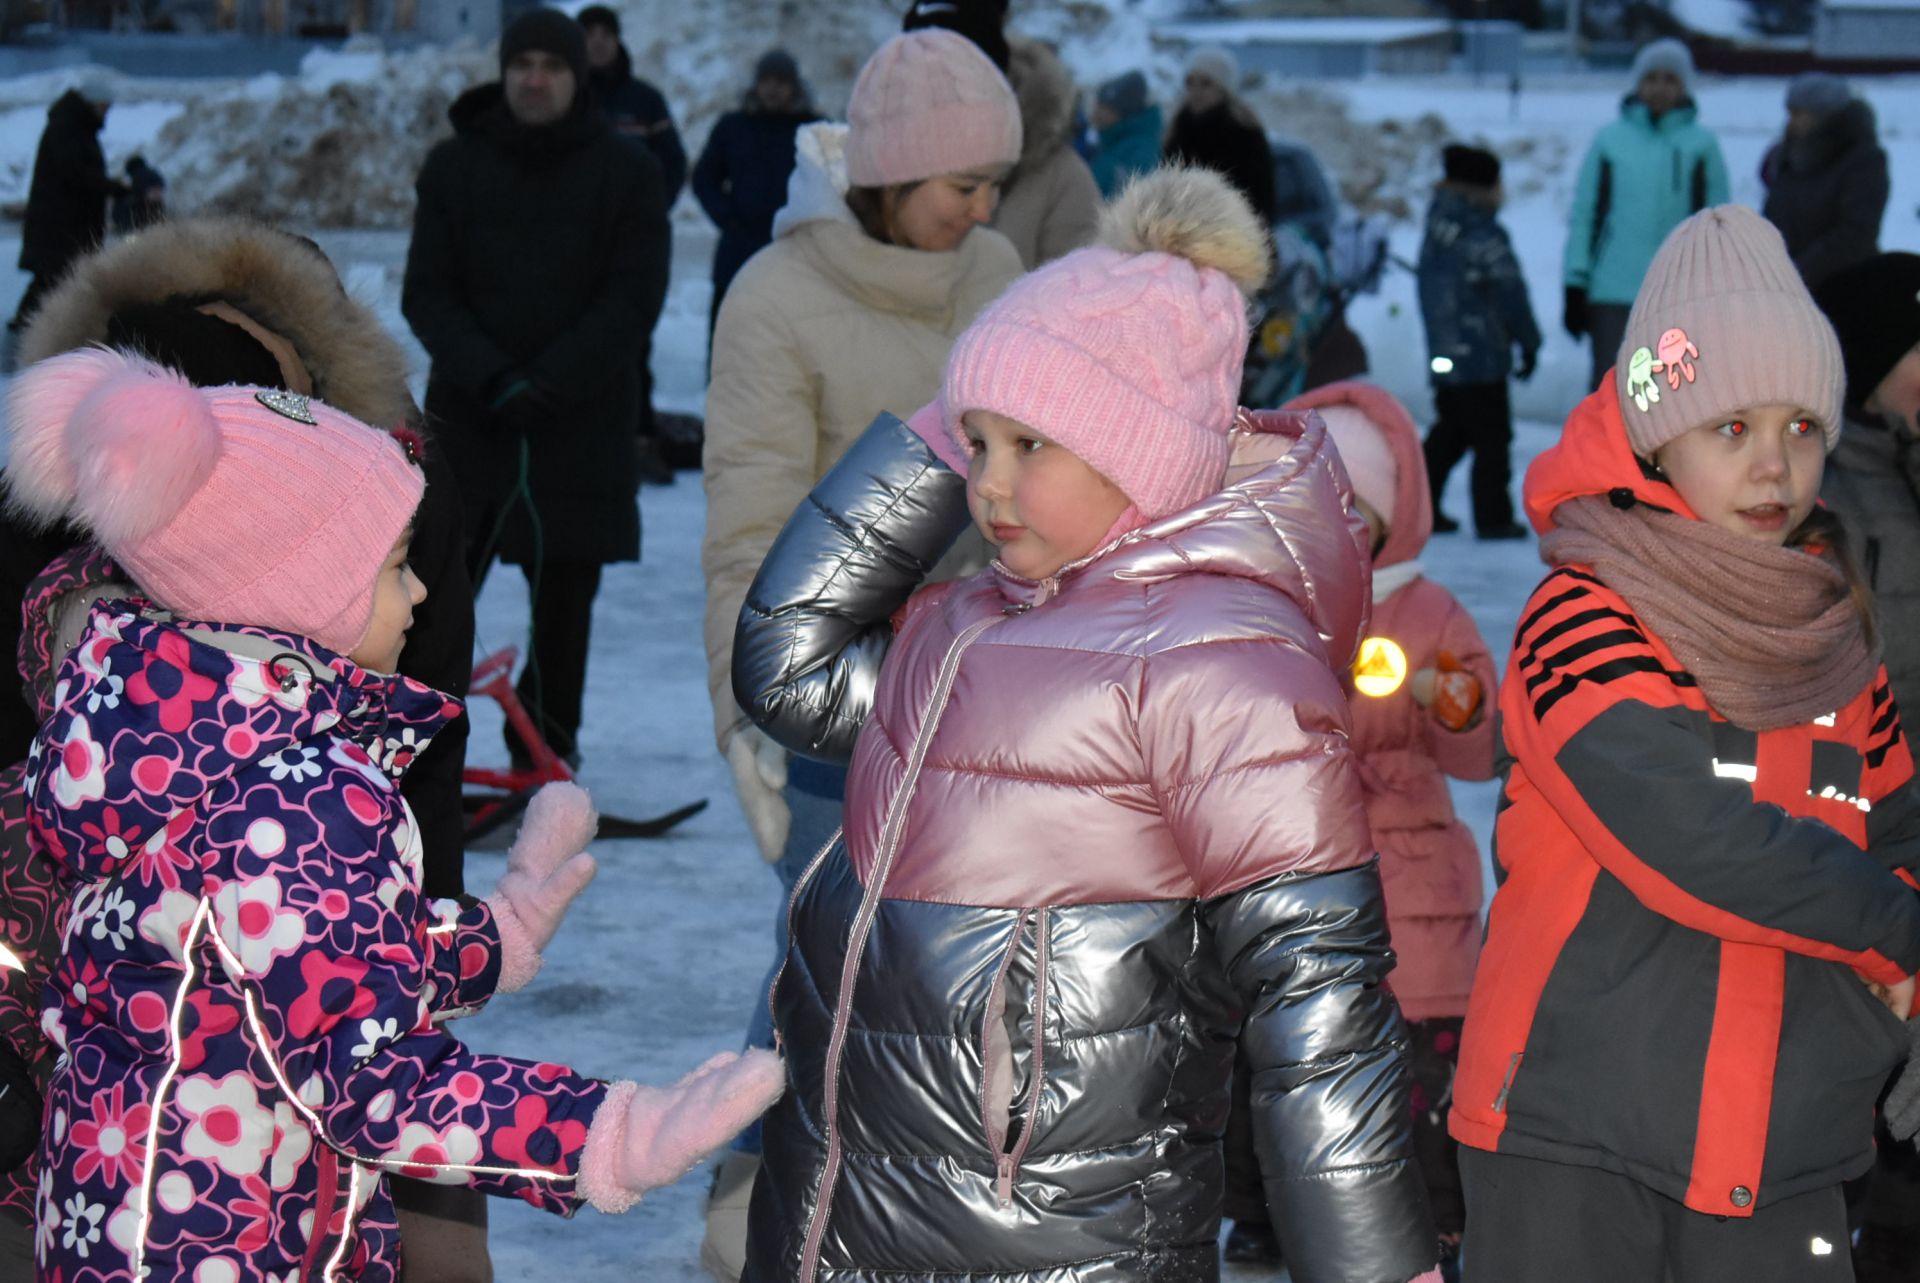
<point>1099,828</point>
<point>1672,986</point>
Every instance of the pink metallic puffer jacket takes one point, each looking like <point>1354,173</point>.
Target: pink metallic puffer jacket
<point>1429,861</point>
<point>1097,829</point>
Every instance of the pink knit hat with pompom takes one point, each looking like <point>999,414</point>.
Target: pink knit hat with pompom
<point>231,505</point>
<point>928,103</point>
<point>1129,353</point>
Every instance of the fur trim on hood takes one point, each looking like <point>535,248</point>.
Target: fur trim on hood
<point>1045,93</point>
<point>283,281</point>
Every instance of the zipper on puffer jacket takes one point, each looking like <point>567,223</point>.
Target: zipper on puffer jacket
<point>996,1055</point>
<point>799,885</point>
<point>890,833</point>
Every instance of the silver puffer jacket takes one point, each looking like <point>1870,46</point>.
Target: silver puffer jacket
<point>1098,828</point>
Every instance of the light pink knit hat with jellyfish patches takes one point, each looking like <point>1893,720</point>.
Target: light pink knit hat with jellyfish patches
<point>232,505</point>
<point>1129,353</point>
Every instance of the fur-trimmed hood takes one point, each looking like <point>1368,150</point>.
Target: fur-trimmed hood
<point>1045,93</point>
<point>283,281</point>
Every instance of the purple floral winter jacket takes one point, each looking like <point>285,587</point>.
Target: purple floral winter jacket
<point>249,987</point>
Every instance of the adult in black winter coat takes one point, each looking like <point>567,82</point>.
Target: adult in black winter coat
<point>1826,178</point>
<point>1215,130</point>
<point>636,109</point>
<point>539,255</point>
<point>741,176</point>
<point>67,200</point>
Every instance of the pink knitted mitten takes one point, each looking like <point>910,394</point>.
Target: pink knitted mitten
<point>547,866</point>
<point>646,1137</point>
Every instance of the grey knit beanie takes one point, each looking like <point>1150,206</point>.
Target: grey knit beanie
<point>1820,92</point>
<point>1723,322</point>
<point>1664,55</point>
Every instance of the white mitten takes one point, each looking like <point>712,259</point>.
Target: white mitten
<point>759,774</point>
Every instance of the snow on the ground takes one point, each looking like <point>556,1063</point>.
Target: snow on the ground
<point>659,961</point>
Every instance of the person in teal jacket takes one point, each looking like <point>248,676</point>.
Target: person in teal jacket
<point>1644,173</point>
<point>1129,127</point>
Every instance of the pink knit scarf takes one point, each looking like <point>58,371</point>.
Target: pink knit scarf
<point>1770,633</point>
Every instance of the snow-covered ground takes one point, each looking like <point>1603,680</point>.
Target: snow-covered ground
<point>659,961</point>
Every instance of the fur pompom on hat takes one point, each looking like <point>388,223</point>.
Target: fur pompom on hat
<point>1723,322</point>
<point>927,103</point>
<point>1129,353</point>
<point>234,505</point>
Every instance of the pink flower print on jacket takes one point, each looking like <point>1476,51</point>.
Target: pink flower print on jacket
<point>79,767</point>
<point>274,1008</point>
<point>111,1138</point>
<point>167,679</point>
<point>332,993</point>
<point>253,923</point>
<point>226,1122</point>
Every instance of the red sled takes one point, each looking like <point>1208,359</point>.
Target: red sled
<point>494,796</point>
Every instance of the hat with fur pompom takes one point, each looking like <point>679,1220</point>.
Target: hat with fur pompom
<point>233,505</point>
<point>1128,353</point>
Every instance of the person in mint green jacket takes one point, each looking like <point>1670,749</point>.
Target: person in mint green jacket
<point>1129,125</point>
<point>1644,173</point>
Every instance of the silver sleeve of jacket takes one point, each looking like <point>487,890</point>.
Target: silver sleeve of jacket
<point>817,621</point>
<point>1332,1112</point>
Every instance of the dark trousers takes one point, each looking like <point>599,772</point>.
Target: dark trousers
<point>1473,417</point>
<point>553,680</point>
<point>1607,325</point>
<point>1530,1220</point>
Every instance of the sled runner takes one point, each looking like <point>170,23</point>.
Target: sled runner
<point>497,795</point>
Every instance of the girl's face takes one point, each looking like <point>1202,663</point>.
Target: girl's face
<point>1034,500</point>
<point>936,215</point>
<point>395,593</point>
<point>1756,474</point>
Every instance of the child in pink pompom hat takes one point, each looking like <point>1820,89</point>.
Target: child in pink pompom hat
<point>1102,819</point>
<point>248,1002</point>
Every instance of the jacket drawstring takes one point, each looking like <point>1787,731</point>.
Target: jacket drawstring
<point>890,835</point>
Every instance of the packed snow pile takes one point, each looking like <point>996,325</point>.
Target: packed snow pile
<point>337,147</point>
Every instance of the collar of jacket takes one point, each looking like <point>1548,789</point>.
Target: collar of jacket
<point>483,112</point>
<point>1635,112</point>
<point>1280,520</point>
<point>890,279</point>
<point>1593,457</point>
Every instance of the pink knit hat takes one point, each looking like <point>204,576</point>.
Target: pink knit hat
<point>927,103</point>
<point>231,505</point>
<point>1722,323</point>
<point>1129,353</point>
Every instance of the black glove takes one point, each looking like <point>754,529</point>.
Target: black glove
<point>1902,1107</point>
<point>1529,358</point>
<point>522,405</point>
<point>1574,317</point>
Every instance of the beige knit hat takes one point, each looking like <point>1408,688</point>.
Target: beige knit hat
<point>1723,322</point>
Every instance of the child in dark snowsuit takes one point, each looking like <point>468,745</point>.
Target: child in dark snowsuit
<point>1473,301</point>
